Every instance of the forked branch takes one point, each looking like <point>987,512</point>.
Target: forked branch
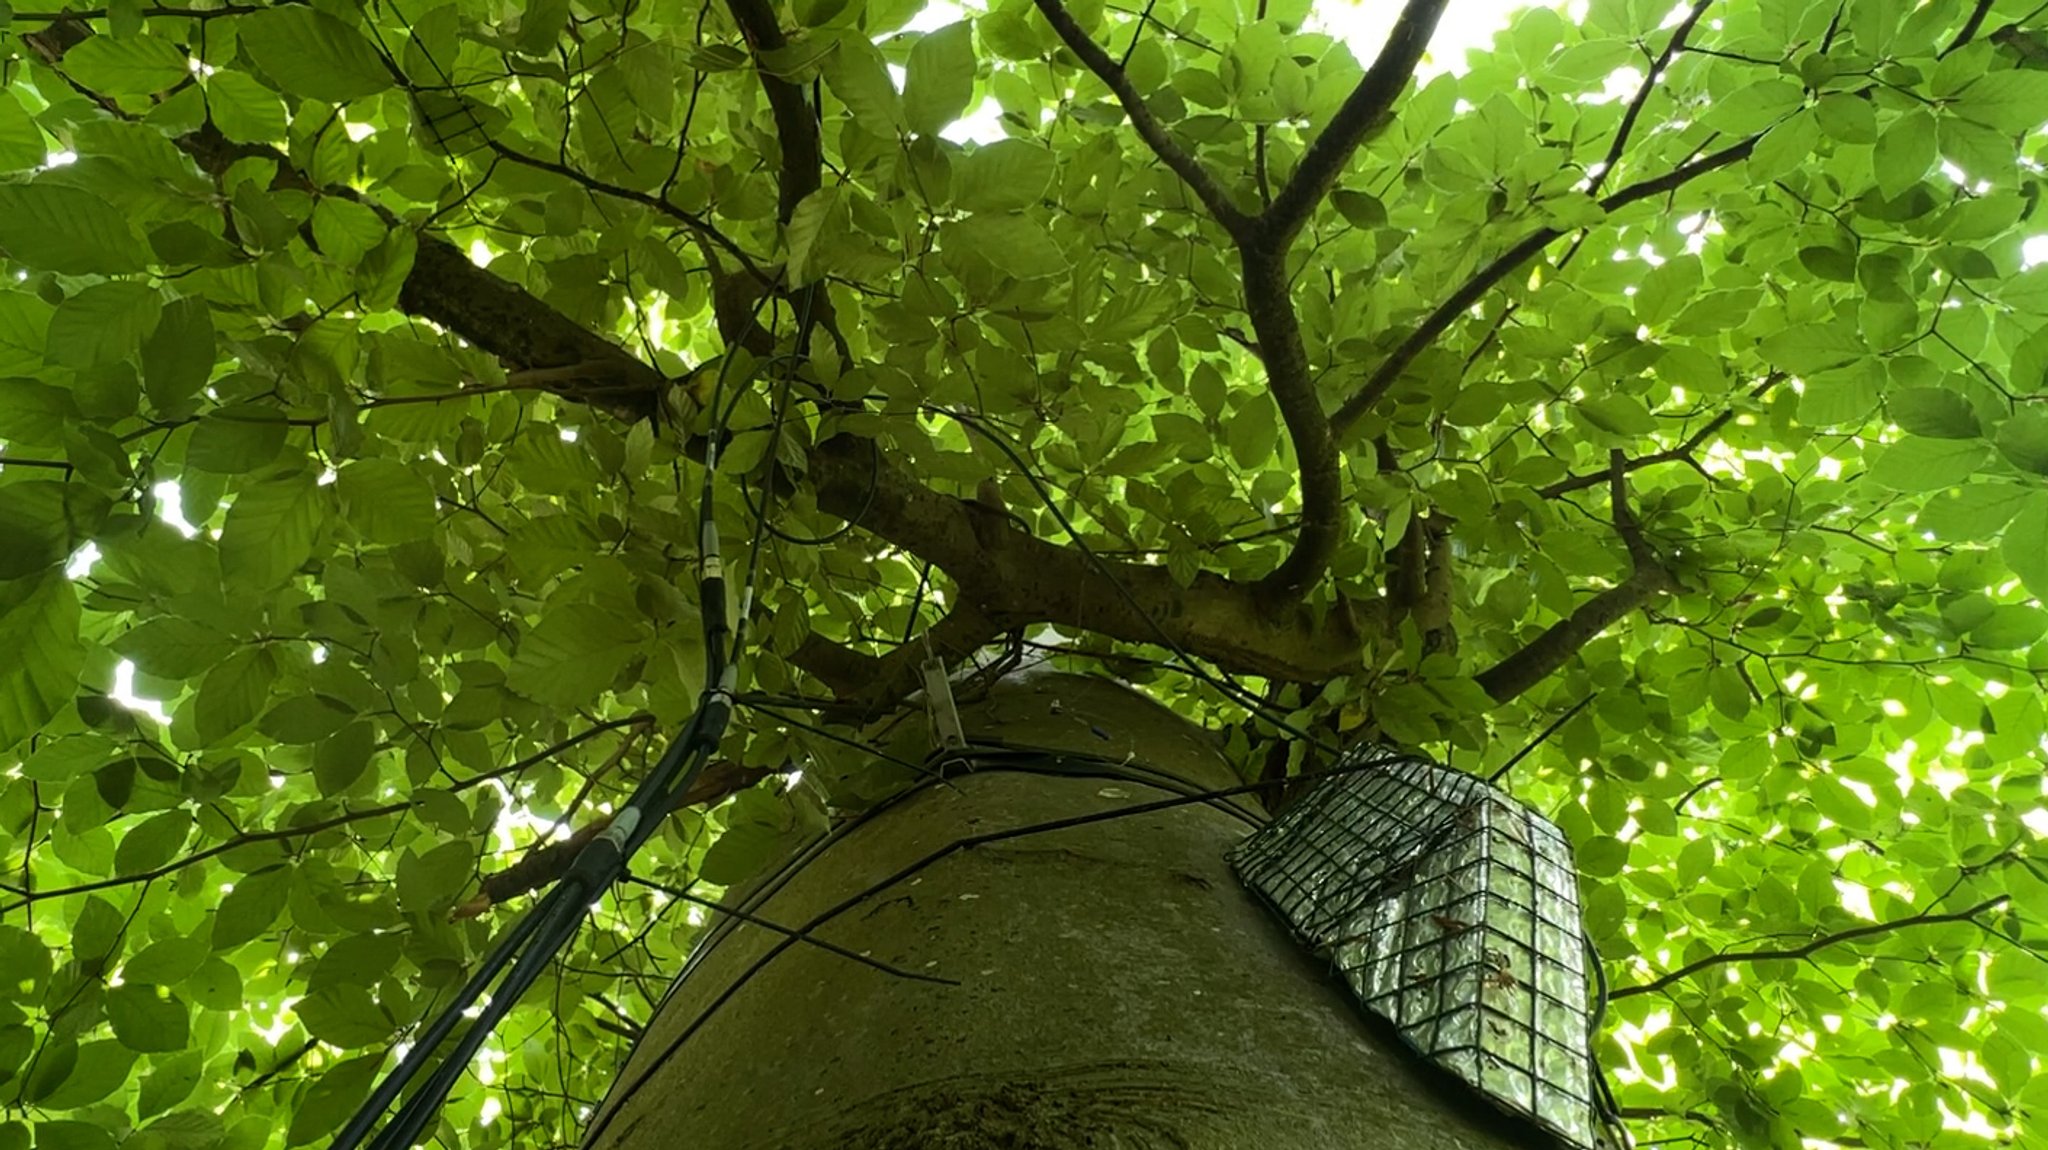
<point>1170,153</point>
<point>1564,638</point>
<point>1368,105</point>
<point>1461,301</point>
<point>1805,949</point>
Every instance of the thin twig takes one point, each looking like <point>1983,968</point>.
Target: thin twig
<point>790,932</point>
<point>1806,949</point>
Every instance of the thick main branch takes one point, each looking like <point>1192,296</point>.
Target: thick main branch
<point>1015,579</point>
<point>1292,384</point>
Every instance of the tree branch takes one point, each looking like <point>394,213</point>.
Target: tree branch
<point>1555,647</point>
<point>154,10</point>
<point>1635,107</point>
<point>1363,111</point>
<point>1190,170</point>
<point>1805,949</point>
<point>1681,453</point>
<point>1289,379</point>
<point>1461,301</point>
<point>871,684</point>
<point>1011,577</point>
<point>249,837</point>
<point>1970,26</point>
<point>796,127</point>
<point>1016,579</point>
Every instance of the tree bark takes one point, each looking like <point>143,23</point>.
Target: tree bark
<point>1116,986</point>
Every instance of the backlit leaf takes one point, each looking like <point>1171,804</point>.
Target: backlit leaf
<point>39,631</point>
<point>64,229</point>
<point>310,53</point>
<point>940,78</point>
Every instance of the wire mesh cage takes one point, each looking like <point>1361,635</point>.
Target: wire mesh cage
<point>1452,911</point>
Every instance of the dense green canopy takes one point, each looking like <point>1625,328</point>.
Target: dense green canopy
<point>354,372</point>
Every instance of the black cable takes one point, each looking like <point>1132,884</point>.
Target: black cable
<point>924,581</point>
<point>437,1031</point>
<point>1539,740</point>
<point>549,925</point>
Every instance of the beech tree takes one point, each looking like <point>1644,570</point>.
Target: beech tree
<point>1659,391</point>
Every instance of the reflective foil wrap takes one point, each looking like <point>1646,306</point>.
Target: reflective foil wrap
<point>1452,911</point>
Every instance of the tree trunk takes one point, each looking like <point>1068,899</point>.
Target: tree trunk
<point>1117,987</point>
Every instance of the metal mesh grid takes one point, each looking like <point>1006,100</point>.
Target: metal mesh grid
<point>1452,911</point>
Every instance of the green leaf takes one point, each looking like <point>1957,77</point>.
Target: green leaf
<point>153,843</point>
<point>270,529</point>
<point>346,230</point>
<point>859,77</point>
<point>2011,101</point>
<point>1618,415</point>
<point>2009,625</point>
<point>339,761</point>
<point>386,500</point>
<point>2026,544</point>
<point>237,439</point>
<point>21,143</point>
<point>806,224</point>
<point>332,1098</point>
<point>1755,106</point>
<point>1919,464</point>
<point>196,1129</point>
<point>739,853</point>
<point>1014,243</point>
<point>39,631</point>
<point>215,986</point>
<point>34,413</point>
<point>170,1083</point>
<point>1905,152</point>
<point>306,719</point>
<point>1253,435</point>
<point>244,110</point>
<point>174,648</point>
<point>232,694</point>
<point>251,909</point>
<point>1786,146</point>
<point>307,52</point>
<point>573,655</point>
<point>1815,347</point>
<point>64,229</point>
<point>1933,411</point>
<point>178,358</point>
<point>24,963</point>
<point>167,961</point>
<point>41,523</point>
<point>66,1134</point>
<point>146,1018</point>
<point>1602,856</point>
<point>1974,513</point>
<point>345,1016</point>
<point>24,331</point>
<point>102,1067</point>
<point>103,323</point>
<point>939,79</point>
<point>127,65</point>
<point>2023,440</point>
<point>431,881</point>
<point>1005,175</point>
